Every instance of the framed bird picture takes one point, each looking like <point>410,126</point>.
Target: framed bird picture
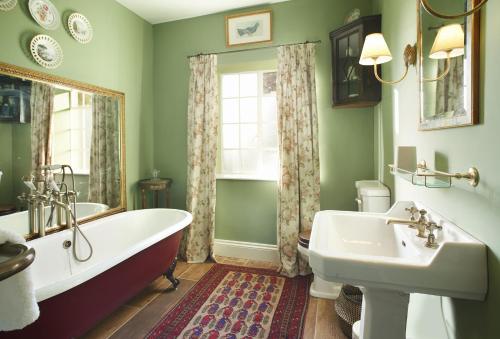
<point>248,28</point>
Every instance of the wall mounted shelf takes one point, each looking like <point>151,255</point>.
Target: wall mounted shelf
<point>426,177</point>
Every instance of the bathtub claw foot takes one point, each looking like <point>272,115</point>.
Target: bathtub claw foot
<point>170,275</point>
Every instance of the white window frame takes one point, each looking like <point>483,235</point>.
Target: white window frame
<point>82,131</point>
<point>260,123</point>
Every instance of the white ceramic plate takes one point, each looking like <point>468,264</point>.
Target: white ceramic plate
<point>7,5</point>
<point>46,51</point>
<point>45,13</point>
<point>80,28</point>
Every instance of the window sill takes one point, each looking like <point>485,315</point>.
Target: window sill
<point>241,177</point>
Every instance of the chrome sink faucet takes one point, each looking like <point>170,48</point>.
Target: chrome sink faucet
<point>421,224</point>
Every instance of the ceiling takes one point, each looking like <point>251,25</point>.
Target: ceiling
<point>158,11</point>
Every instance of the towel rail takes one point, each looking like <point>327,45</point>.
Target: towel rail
<point>19,257</point>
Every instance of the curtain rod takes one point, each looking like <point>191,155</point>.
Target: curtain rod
<point>256,49</point>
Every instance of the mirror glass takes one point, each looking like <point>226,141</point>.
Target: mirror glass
<point>60,140</point>
<point>451,101</point>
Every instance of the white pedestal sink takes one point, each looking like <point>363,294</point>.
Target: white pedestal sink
<point>388,262</point>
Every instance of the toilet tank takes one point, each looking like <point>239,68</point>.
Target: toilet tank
<point>373,196</point>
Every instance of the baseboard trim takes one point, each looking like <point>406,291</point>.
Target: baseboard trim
<point>246,250</point>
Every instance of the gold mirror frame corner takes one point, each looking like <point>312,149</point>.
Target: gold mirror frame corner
<point>29,74</point>
<point>475,67</point>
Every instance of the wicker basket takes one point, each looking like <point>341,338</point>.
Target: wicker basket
<point>348,308</point>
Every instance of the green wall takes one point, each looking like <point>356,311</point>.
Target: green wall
<point>477,210</point>
<point>119,57</point>
<point>6,163</point>
<point>346,135</point>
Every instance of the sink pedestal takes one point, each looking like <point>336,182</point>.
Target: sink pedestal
<point>383,315</point>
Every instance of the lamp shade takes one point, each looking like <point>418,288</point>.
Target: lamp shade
<point>375,50</point>
<point>449,42</point>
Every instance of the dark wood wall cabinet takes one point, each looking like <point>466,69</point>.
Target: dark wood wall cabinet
<point>354,85</point>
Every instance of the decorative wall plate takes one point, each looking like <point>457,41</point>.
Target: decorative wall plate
<point>7,5</point>
<point>46,51</point>
<point>80,28</point>
<point>45,13</point>
<point>353,15</point>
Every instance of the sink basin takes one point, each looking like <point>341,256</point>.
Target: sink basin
<point>389,262</point>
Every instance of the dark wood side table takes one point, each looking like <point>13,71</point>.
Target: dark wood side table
<point>156,186</point>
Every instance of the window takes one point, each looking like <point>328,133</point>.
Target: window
<point>72,126</point>
<point>249,134</point>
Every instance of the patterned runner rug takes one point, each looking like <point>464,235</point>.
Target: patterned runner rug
<point>236,302</point>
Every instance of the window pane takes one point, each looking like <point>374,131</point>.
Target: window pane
<point>270,135</point>
<point>248,110</point>
<point>269,109</point>
<point>230,136</point>
<point>269,83</point>
<point>230,86</point>
<point>231,161</point>
<point>61,102</point>
<point>230,111</point>
<point>270,164</point>
<point>249,161</point>
<point>248,135</point>
<point>248,85</point>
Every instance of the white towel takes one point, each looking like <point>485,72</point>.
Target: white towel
<point>18,307</point>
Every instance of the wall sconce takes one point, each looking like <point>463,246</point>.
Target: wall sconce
<point>376,52</point>
<point>428,8</point>
<point>449,43</point>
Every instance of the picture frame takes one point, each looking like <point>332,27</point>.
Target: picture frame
<point>249,28</point>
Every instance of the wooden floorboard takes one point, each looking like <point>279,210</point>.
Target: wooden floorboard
<point>112,323</point>
<point>196,271</point>
<point>139,315</point>
<point>310,321</point>
<point>326,321</point>
<point>144,321</point>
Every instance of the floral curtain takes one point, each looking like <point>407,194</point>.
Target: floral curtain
<point>42,105</point>
<point>104,175</point>
<point>203,126</point>
<point>450,90</point>
<point>299,185</point>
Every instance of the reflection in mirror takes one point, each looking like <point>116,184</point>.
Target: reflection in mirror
<point>59,144</point>
<point>450,101</point>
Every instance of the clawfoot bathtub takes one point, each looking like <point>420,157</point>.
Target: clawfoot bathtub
<point>131,249</point>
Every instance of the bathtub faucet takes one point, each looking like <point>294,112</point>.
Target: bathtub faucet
<point>44,191</point>
<point>67,209</point>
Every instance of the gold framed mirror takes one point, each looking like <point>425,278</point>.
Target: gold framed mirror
<point>453,99</point>
<point>59,136</point>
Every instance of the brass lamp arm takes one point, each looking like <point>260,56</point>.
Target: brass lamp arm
<point>410,58</point>
<point>375,70</point>
<point>442,75</point>
<point>428,8</point>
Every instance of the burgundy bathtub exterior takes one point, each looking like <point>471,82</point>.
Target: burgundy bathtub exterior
<point>72,313</point>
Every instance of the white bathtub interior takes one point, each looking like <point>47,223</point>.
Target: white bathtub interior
<point>114,239</point>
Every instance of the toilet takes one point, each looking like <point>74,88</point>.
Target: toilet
<point>372,196</point>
